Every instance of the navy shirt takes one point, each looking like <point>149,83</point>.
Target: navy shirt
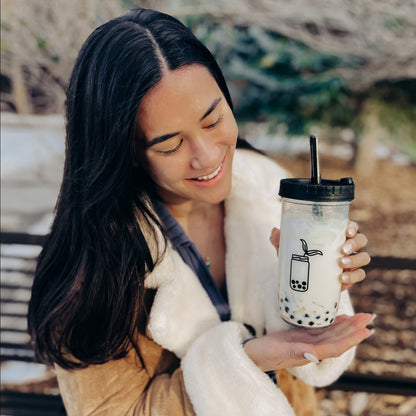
<point>192,257</point>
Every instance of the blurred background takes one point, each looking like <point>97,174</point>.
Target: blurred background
<point>342,70</point>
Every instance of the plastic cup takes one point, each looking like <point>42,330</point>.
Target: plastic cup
<point>313,230</point>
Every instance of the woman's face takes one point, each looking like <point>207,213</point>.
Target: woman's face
<point>190,134</point>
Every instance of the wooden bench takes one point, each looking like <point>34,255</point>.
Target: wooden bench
<point>19,253</point>
<point>18,261</point>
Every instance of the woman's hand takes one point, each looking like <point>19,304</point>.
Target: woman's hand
<point>352,262</point>
<point>300,346</point>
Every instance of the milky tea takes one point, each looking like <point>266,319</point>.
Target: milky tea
<point>313,230</point>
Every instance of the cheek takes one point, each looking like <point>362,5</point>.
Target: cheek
<point>235,132</point>
<point>162,171</point>
<point>155,170</point>
<point>229,132</point>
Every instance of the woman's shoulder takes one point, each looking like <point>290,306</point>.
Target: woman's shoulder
<point>256,172</point>
<point>258,162</point>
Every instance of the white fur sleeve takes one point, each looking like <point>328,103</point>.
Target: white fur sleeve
<point>330,369</point>
<point>221,379</point>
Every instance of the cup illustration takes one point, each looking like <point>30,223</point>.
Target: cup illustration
<point>299,268</point>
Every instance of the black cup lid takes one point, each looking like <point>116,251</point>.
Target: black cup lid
<point>325,191</point>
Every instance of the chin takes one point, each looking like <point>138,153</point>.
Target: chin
<point>222,196</point>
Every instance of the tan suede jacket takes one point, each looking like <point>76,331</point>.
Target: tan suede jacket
<point>150,382</point>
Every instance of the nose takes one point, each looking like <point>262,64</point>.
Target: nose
<point>205,153</point>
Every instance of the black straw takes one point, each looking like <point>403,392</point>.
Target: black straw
<point>315,173</point>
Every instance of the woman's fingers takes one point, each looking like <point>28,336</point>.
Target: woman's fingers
<point>349,326</point>
<point>352,229</point>
<point>288,348</point>
<point>275,238</point>
<point>354,244</point>
<point>352,263</point>
<point>342,344</point>
<point>349,277</point>
<point>352,269</point>
<point>342,336</point>
<point>355,261</point>
<point>343,325</point>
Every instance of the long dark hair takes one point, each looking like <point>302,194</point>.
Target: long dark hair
<point>88,296</point>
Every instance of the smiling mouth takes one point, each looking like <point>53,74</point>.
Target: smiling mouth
<point>210,176</point>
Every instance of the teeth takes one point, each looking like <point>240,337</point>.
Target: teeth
<point>212,175</point>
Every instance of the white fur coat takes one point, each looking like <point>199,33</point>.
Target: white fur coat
<point>219,377</point>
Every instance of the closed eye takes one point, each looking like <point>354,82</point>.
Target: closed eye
<point>218,121</point>
<point>171,151</point>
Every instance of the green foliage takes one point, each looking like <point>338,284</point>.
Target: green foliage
<point>396,102</point>
<point>283,82</point>
<point>276,79</point>
<point>395,24</point>
<point>42,43</point>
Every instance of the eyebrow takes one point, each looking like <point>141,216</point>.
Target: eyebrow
<point>168,136</point>
<point>161,139</point>
<point>211,108</point>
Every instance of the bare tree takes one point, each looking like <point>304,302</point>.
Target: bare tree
<point>40,41</point>
<point>381,34</point>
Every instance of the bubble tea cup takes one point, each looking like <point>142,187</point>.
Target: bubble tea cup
<point>313,230</point>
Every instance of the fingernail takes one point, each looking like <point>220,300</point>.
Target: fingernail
<point>371,333</point>
<point>346,261</point>
<point>374,317</point>
<point>351,231</point>
<point>311,358</point>
<point>347,248</point>
<point>345,278</point>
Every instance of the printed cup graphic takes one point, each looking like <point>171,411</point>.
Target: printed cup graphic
<point>299,273</point>
<point>299,268</point>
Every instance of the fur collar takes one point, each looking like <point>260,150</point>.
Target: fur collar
<point>182,310</point>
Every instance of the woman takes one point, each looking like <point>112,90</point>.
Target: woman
<point>155,292</point>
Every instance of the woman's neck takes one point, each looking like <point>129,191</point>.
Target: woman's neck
<point>204,225</point>
<point>192,215</point>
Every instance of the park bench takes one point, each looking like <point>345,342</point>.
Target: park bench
<point>382,366</point>
<point>18,261</point>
